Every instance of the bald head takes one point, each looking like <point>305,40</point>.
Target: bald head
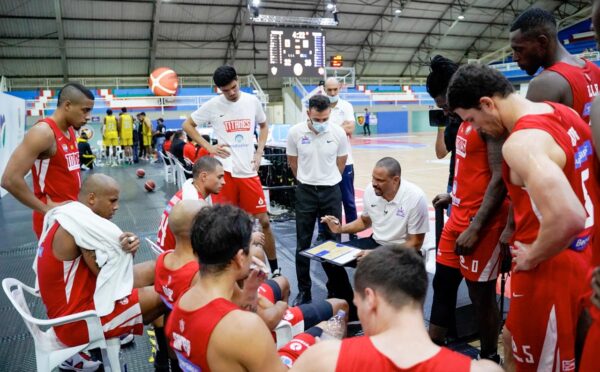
<point>97,183</point>
<point>101,194</point>
<point>332,83</point>
<point>182,217</point>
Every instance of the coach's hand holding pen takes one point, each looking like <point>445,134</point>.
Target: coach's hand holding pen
<point>333,223</point>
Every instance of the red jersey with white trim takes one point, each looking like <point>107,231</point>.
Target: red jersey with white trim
<point>66,287</point>
<point>189,332</point>
<point>584,83</point>
<point>358,354</point>
<point>471,177</point>
<point>57,177</point>
<point>573,136</point>
<point>165,238</point>
<point>171,284</point>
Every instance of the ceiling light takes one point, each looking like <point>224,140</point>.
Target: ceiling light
<point>461,17</point>
<point>329,6</point>
<point>255,2</point>
<point>398,11</point>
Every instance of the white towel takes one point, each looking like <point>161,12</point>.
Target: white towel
<point>92,232</point>
<point>189,192</point>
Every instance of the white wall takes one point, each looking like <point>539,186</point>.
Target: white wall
<point>12,128</point>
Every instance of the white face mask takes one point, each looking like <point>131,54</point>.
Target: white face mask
<point>320,127</point>
<point>334,99</point>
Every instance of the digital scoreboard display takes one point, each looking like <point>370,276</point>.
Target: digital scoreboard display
<point>294,52</point>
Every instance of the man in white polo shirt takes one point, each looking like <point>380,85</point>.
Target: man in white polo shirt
<point>342,114</point>
<point>233,116</point>
<point>316,153</point>
<point>395,209</point>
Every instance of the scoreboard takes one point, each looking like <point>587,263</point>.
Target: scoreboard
<point>294,52</point>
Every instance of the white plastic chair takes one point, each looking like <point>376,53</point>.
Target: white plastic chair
<point>178,179</point>
<point>156,249</point>
<point>49,351</point>
<point>168,168</point>
<point>182,173</point>
<point>283,333</point>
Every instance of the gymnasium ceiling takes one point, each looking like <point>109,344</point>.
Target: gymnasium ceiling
<point>78,38</point>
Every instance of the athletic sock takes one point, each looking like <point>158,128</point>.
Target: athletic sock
<point>273,264</point>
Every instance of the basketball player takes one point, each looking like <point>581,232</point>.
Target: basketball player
<point>49,150</point>
<point>233,116</point>
<point>67,275</point>
<point>566,79</point>
<point>110,137</point>
<point>146,135</point>
<point>468,246</point>
<point>549,175</point>
<point>589,360</point>
<point>207,180</point>
<point>126,132</point>
<point>206,329</point>
<point>390,285</point>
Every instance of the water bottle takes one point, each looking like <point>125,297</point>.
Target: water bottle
<point>256,227</point>
<point>335,326</point>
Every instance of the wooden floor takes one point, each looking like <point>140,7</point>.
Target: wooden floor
<point>416,154</point>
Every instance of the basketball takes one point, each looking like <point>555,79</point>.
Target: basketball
<point>149,185</point>
<point>140,173</point>
<point>163,82</point>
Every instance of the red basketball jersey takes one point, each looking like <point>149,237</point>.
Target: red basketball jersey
<point>165,238</point>
<point>358,354</point>
<point>171,284</point>
<point>57,177</point>
<point>189,332</point>
<point>573,135</point>
<point>471,177</point>
<point>66,287</point>
<point>584,83</point>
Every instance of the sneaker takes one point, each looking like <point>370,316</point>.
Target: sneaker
<point>126,339</point>
<point>80,362</point>
<point>276,273</point>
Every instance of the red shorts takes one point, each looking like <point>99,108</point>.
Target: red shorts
<point>544,307</point>
<point>246,193</point>
<point>481,266</point>
<point>125,318</point>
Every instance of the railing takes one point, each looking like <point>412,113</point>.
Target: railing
<point>390,98</point>
<point>181,102</point>
<point>262,96</point>
<point>510,66</point>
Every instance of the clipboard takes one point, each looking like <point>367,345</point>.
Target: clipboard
<point>332,252</point>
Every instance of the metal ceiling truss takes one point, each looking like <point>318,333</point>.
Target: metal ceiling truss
<point>154,35</point>
<point>236,33</point>
<point>61,40</point>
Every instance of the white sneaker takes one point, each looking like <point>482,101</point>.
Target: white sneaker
<point>126,339</point>
<point>80,362</point>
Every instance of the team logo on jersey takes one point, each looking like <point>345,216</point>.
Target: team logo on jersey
<point>239,138</point>
<point>261,202</point>
<point>461,146</point>
<point>288,316</point>
<point>241,125</point>
<point>72,161</point>
<point>583,152</point>
<point>124,301</point>
<point>304,140</point>
<point>587,109</point>
<point>65,147</point>
<point>568,365</point>
<point>468,129</point>
<point>400,212</point>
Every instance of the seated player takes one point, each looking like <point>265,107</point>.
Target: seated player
<point>206,329</point>
<point>193,151</point>
<point>207,179</point>
<point>67,273</point>
<point>390,287</point>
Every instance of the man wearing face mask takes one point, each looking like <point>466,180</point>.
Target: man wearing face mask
<point>317,152</point>
<point>342,114</point>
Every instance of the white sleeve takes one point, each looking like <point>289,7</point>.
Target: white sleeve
<point>342,141</point>
<point>261,117</point>
<point>291,148</point>
<point>349,112</point>
<point>366,202</point>
<point>202,115</point>
<point>418,216</point>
